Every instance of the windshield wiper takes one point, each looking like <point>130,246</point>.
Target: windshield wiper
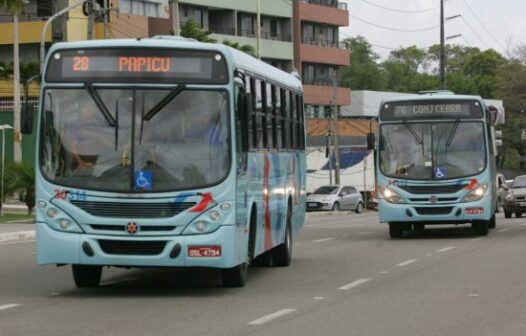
<point>165,101</point>
<point>417,138</point>
<point>100,104</point>
<point>452,134</point>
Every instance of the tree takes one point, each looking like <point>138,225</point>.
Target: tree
<point>247,48</point>
<point>363,73</point>
<point>25,184</point>
<point>191,29</point>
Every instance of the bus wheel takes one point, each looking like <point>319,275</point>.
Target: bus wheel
<point>396,230</point>
<point>507,214</point>
<point>282,254</point>
<point>480,227</point>
<point>492,222</point>
<point>518,214</point>
<point>235,276</point>
<point>86,276</point>
<point>419,227</point>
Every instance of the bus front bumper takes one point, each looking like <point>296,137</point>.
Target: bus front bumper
<point>454,213</point>
<point>56,247</point>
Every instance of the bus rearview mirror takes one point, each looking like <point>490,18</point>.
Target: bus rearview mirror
<point>26,118</point>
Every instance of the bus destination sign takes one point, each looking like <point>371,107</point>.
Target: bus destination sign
<point>137,65</point>
<point>431,110</point>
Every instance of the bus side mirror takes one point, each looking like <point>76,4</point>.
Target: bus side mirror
<point>370,140</point>
<point>244,114</point>
<point>26,118</point>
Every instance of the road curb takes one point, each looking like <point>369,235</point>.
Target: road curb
<point>334,213</point>
<point>17,236</point>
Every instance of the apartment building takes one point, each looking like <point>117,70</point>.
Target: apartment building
<point>236,21</point>
<point>319,53</point>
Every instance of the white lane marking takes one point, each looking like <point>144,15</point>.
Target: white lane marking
<point>446,249</point>
<point>272,316</point>
<point>476,239</point>
<point>384,272</point>
<point>364,233</point>
<point>318,298</point>
<point>9,305</point>
<point>21,235</point>
<point>17,242</point>
<point>407,262</point>
<point>474,295</point>
<point>354,284</point>
<point>323,240</point>
<point>503,230</point>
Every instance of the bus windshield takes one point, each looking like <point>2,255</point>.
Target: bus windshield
<point>432,151</point>
<point>127,140</point>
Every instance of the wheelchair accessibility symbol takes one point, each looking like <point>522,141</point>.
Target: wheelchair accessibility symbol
<point>143,179</point>
<point>440,173</point>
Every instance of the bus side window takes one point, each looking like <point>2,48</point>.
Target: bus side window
<point>269,117</point>
<point>293,122</point>
<point>253,119</point>
<point>276,107</point>
<point>283,112</point>
<point>258,113</point>
<point>301,124</point>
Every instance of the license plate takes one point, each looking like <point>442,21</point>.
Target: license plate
<point>204,251</point>
<point>474,211</point>
<point>313,205</point>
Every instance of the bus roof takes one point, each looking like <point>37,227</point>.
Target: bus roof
<point>235,58</point>
<point>432,95</point>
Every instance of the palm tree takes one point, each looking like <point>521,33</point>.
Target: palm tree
<point>247,48</point>
<point>15,7</point>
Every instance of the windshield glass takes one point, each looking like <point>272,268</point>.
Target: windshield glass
<point>326,190</point>
<point>519,182</point>
<point>432,151</point>
<point>130,140</point>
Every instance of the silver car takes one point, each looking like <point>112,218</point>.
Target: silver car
<point>335,198</point>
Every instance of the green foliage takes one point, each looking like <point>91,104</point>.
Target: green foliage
<point>27,70</point>
<point>247,48</point>
<point>20,177</point>
<point>191,29</point>
<point>364,73</point>
<point>13,6</point>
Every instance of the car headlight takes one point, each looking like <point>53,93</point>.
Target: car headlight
<point>477,193</point>
<point>391,196</point>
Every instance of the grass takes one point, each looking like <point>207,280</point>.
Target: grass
<point>16,217</point>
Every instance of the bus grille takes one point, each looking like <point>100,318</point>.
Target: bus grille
<point>433,210</point>
<point>142,228</point>
<point>432,189</point>
<point>130,247</point>
<point>133,210</point>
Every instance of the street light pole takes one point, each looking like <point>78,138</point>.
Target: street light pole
<point>3,128</point>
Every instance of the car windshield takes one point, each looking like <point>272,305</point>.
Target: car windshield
<point>326,190</point>
<point>432,151</point>
<point>519,182</point>
<point>126,140</point>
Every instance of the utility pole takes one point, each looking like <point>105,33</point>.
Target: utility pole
<point>442,49</point>
<point>17,150</point>
<point>91,19</point>
<point>336,129</point>
<point>106,13</point>
<point>258,29</point>
<point>175,17</point>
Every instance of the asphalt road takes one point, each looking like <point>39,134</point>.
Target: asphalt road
<point>347,278</point>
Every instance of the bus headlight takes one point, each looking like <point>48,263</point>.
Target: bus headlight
<point>391,196</point>
<point>57,219</point>
<point>476,194</point>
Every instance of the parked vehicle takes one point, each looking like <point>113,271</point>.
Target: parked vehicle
<point>515,199</point>
<point>500,181</point>
<point>335,198</point>
<point>502,191</point>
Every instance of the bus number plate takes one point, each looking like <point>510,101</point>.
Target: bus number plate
<point>204,251</point>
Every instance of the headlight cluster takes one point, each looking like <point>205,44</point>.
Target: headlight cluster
<point>56,218</point>
<point>209,221</point>
<point>477,193</point>
<point>391,196</point>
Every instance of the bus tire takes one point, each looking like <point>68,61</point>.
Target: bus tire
<point>282,254</point>
<point>419,227</point>
<point>507,214</point>
<point>518,214</point>
<point>235,276</point>
<point>86,276</point>
<point>252,237</point>
<point>359,208</point>
<point>480,227</point>
<point>396,230</point>
<point>492,223</point>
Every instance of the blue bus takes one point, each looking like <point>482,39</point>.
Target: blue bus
<point>167,152</point>
<point>435,162</point>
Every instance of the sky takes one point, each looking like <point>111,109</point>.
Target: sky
<point>482,23</point>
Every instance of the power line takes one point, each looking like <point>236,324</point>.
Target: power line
<point>483,26</point>
<point>395,29</point>
<point>474,32</point>
<point>401,10</point>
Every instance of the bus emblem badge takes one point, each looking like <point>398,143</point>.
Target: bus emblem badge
<point>433,199</point>
<point>131,228</point>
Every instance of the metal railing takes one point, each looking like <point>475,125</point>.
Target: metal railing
<point>7,104</point>
<point>328,3</point>
<point>7,18</point>
<point>325,43</point>
<point>264,35</point>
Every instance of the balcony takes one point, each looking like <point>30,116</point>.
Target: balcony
<point>328,3</point>
<point>322,94</point>
<point>264,35</point>
<point>325,43</point>
<point>324,54</point>
<point>319,11</point>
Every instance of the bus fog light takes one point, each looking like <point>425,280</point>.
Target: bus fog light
<point>214,215</point>
<point>225,206</point>
<point>64,223</point>
<point>42,204</point>
<point>51,212</point>
<point>201,226</point>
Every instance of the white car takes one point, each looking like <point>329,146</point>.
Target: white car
<point>335,198</point>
